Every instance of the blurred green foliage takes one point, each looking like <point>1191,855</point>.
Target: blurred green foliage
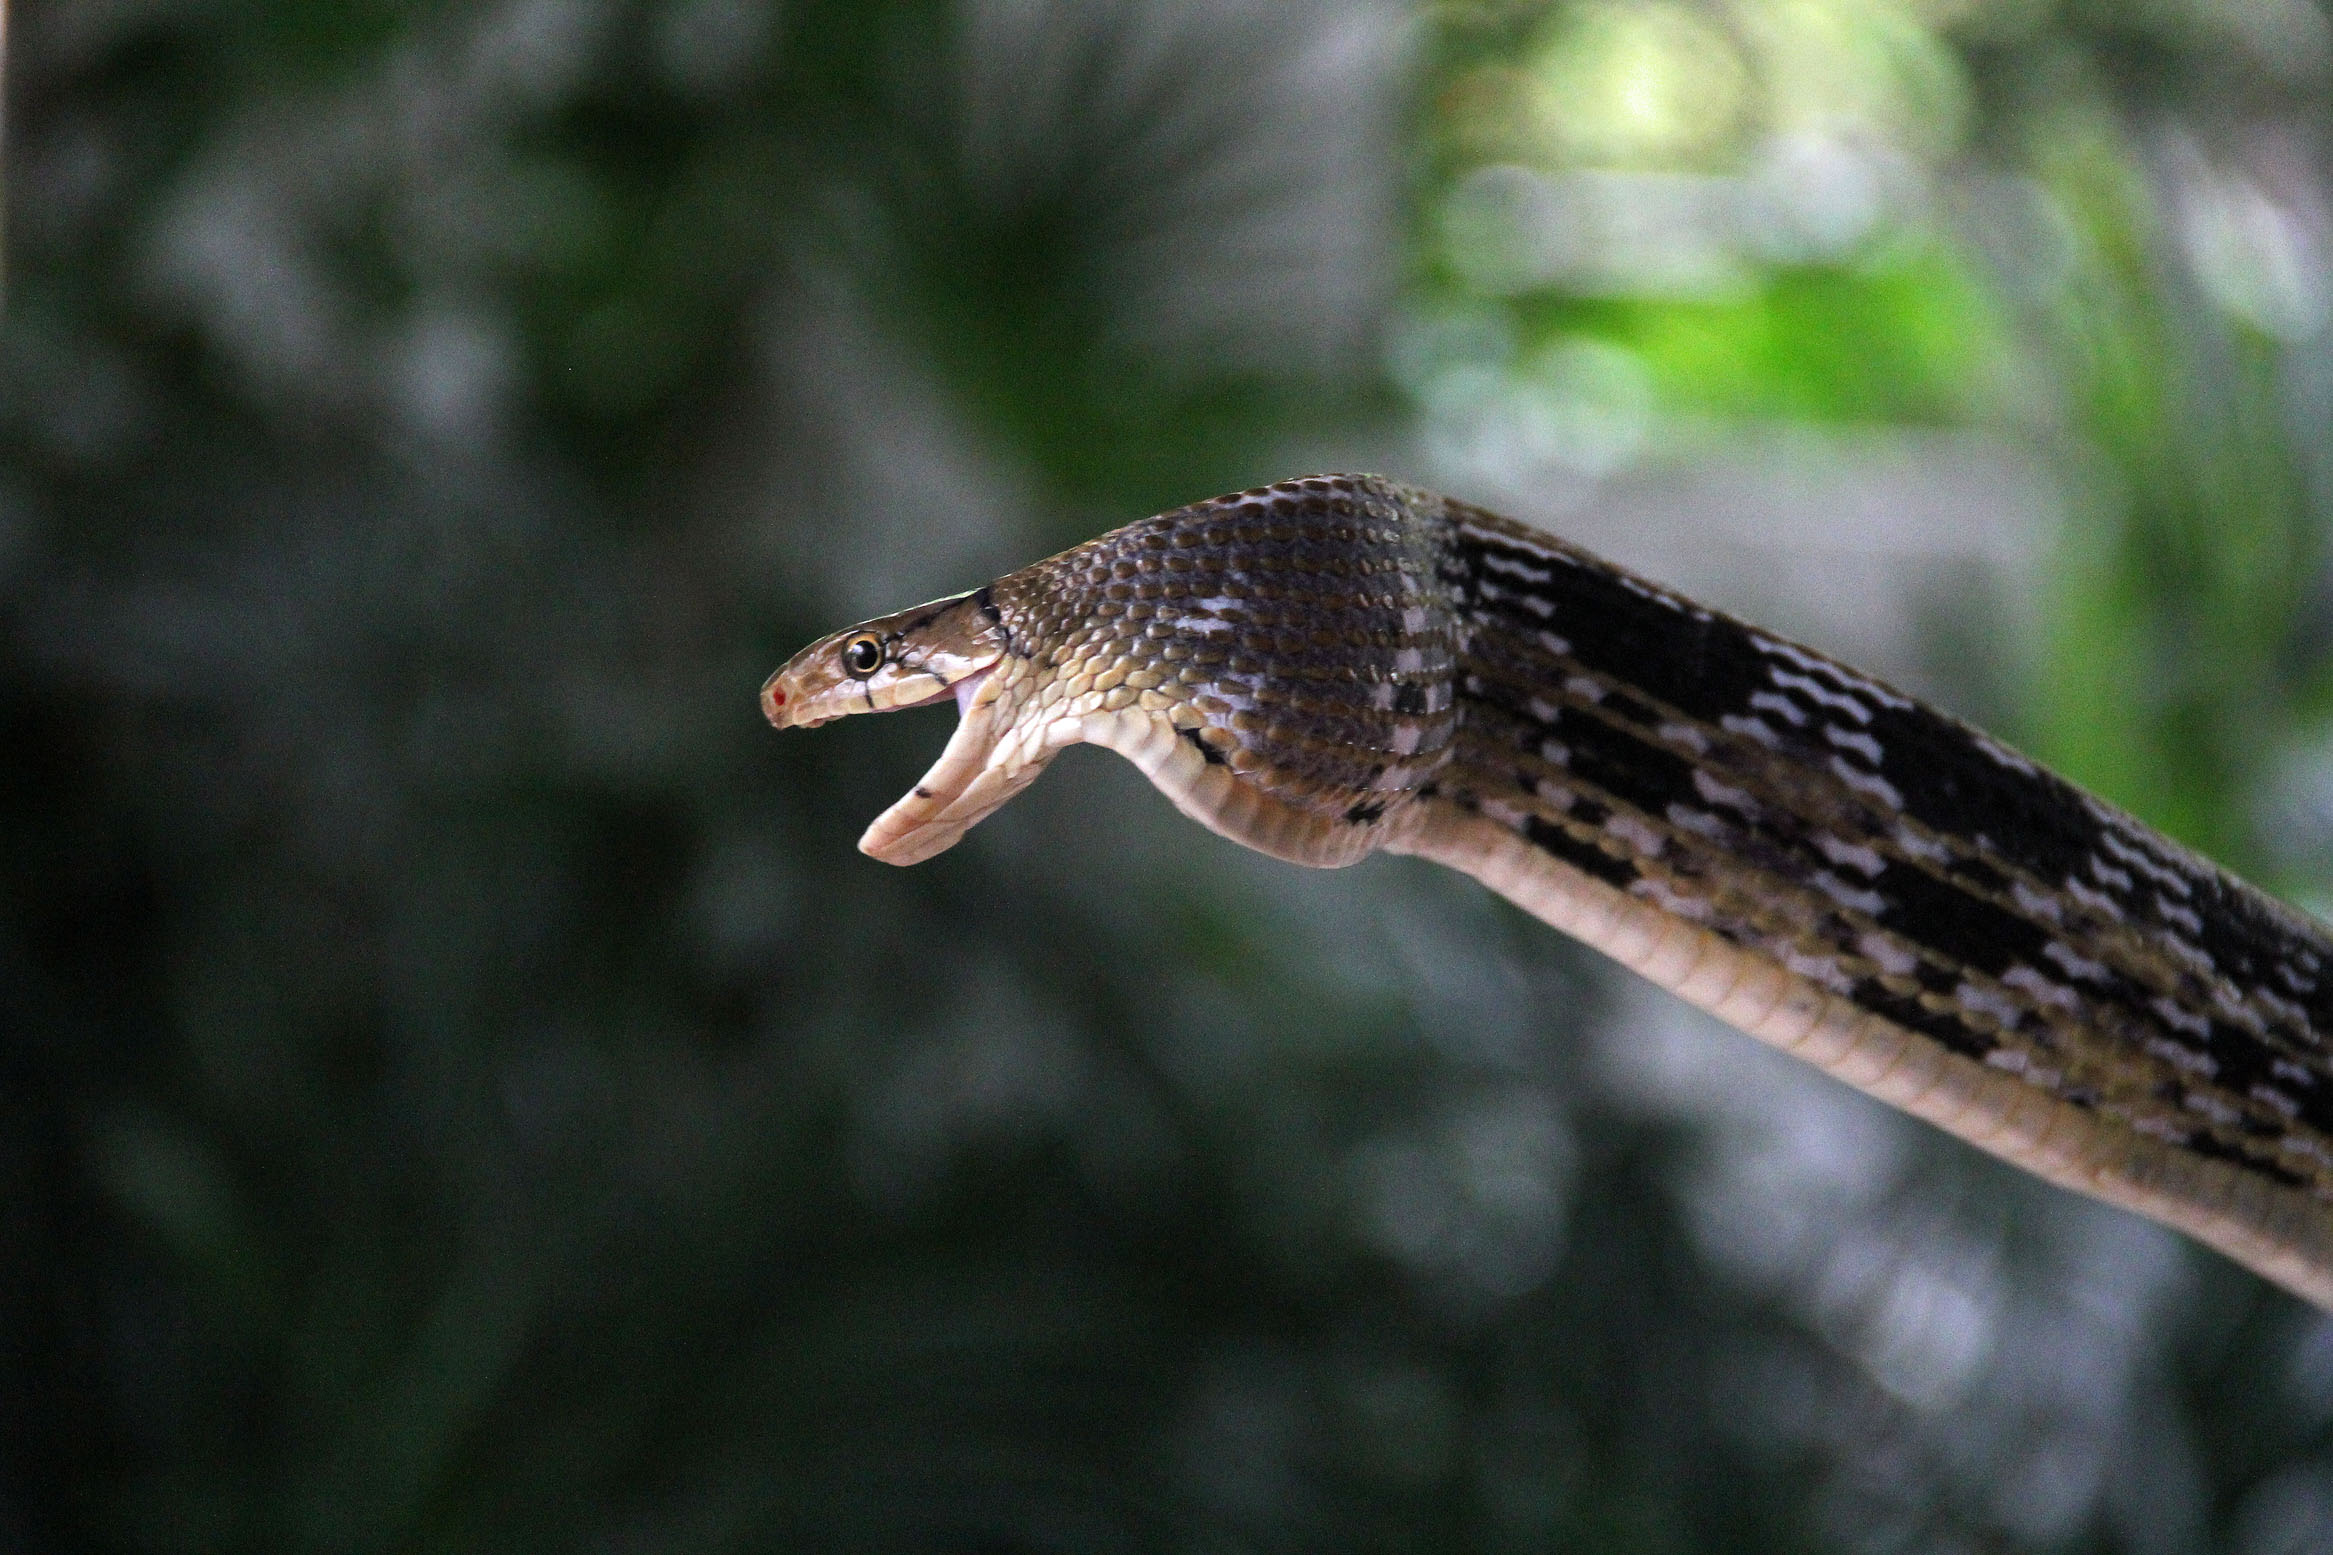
<point>463,1091</point>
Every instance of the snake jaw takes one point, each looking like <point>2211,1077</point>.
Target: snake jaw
<point>991,757</point>
<point>948,649</point>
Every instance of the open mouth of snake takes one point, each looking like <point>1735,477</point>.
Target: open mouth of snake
<point>929,817</point>
<point>962,691</point>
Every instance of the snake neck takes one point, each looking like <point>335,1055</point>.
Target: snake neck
<point>1298,645</point>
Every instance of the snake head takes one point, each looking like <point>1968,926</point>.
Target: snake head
<point>1279,663</point>
<point>948,648</point>
<point>911,659</point>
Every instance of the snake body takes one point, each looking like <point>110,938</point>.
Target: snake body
<point>1343,664</point>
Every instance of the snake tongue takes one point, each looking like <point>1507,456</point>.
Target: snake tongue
<point>987,761</point>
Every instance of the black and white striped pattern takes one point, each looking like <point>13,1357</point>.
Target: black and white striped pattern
<point>1889,853</point>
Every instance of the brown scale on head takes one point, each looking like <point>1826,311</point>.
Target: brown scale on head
<point>1278,662</point>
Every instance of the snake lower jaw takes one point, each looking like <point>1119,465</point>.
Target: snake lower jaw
<point>991,757</point>
<point>1000,746</point>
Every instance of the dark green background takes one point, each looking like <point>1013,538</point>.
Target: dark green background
<point>460,1089</point>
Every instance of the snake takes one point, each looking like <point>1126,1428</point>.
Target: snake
<point>1342,665</point>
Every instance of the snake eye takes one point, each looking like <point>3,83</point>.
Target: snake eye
<point>862,656</point>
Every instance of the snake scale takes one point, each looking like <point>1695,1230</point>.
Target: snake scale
<point>1339,665</point>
